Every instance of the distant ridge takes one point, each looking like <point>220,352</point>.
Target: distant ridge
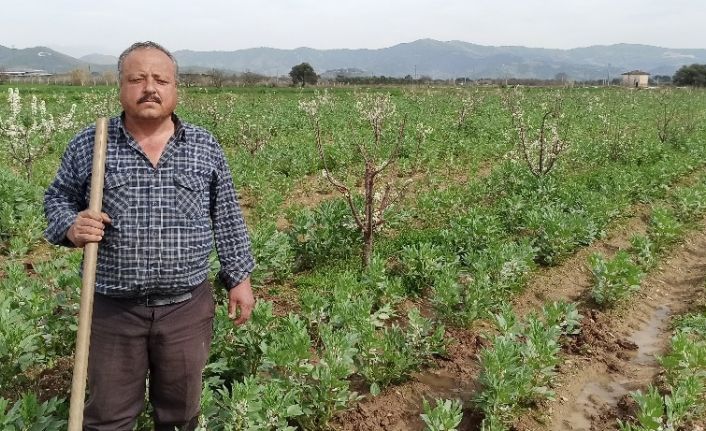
<point>107,60</point>
<point>424,57</point>
<point>39,57</point>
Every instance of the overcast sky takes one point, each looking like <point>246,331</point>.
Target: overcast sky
<point>79,27</point>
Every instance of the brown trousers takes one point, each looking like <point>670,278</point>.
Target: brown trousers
<point>127,341</point>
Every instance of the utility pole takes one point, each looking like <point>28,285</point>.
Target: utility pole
<point>608,75</point>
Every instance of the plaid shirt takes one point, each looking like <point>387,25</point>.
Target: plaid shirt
<point>164,218</point>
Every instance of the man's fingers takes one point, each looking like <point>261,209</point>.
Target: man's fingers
<point>91,231</point>
<point>89,226</point>
<point>245,311</point>
<point>93,215</point>
<point>88,234</point>
<point>240,302</point>
<point>231,309</point>
<point>239,310</point>
<point>90,223</point>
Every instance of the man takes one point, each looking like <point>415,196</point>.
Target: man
<point>168,195</point>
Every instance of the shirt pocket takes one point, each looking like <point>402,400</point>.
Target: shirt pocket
<point>190,195</point>
<point>115,193</point>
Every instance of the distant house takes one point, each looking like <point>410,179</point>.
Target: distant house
<point>24,73</point>
<point>636,78</point>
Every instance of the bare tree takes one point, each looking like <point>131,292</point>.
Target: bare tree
<point>79,77</point>
<point>540,146</point>
<point>109,78</point>
<point>218,78</point>
<point>674,122</point>
<point>252,78</point>
<point>378,194</point>
<point>470,101</point>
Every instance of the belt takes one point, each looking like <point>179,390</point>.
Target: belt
<point>159,300</point>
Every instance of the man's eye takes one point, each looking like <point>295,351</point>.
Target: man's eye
<point>135,80</point>
<point>162,82</point>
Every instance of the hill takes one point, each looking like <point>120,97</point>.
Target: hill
<point>456,59</point>
<point>425,57</point>
<point>39,57</point>
<point>107,60</point>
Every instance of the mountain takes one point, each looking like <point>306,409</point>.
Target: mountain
<point>107,60</point>
<point>425,57</point>
<point>455,59</point>
<point>39,57</point>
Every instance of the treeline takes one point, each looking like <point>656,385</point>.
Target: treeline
<point>693,75</point>
<point>425,80</point>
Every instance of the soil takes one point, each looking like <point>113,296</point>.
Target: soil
<point>613,355</point>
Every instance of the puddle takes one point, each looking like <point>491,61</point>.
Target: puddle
<point>445,384</point>
<point>648,338</point>
<point>589,402</point>
<point>605,389</point>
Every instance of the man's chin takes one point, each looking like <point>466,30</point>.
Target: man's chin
<point>150,114</point>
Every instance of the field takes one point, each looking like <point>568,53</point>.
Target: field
<point>428,258</point>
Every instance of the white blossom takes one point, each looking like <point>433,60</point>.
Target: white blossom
<point>29,132</point>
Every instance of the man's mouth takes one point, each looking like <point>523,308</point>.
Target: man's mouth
<point>150,99</point>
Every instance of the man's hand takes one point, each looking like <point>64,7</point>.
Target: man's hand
<point>241,302</point>
<point>88,227</point>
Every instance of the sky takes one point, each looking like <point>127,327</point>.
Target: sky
<point>80,27</point>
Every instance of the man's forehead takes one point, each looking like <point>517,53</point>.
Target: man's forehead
<point>150,55</point>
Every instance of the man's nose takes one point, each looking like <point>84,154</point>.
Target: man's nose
<point>149,86</point>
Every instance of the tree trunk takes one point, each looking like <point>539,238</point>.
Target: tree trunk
<point>369,210</point>
<point>367,249</point>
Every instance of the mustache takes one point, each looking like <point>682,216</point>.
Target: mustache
<point>150,98</point>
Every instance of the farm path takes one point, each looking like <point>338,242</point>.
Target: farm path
<point>603,348</point>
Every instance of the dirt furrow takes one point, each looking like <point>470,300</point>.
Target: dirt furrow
<point>456,377</point>
<point>616,353</point>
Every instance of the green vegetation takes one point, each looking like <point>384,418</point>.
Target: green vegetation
<point>482,209</point>
<point>445,416</point>
<point>617,278</point>
<point>694,74</point>
<point>519,368</point>
<point>302,74</point>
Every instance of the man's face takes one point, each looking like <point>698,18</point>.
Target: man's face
<point>148,85</point>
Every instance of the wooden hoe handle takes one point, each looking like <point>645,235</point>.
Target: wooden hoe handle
<point>90,256</point>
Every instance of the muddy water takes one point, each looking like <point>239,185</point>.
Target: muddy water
<point>650,338</point>
<point>607,390</point>
<point>588,402</point>
<point>444,383</point>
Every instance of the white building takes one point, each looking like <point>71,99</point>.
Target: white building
<point>636,78</point>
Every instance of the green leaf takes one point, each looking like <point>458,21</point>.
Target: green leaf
<point>375,389</point>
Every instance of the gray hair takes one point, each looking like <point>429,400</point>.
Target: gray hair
<point>145,45</point>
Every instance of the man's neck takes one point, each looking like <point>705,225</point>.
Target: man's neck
<point>144,129</point>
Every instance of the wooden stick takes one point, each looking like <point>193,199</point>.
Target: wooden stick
<point>90,257</point>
